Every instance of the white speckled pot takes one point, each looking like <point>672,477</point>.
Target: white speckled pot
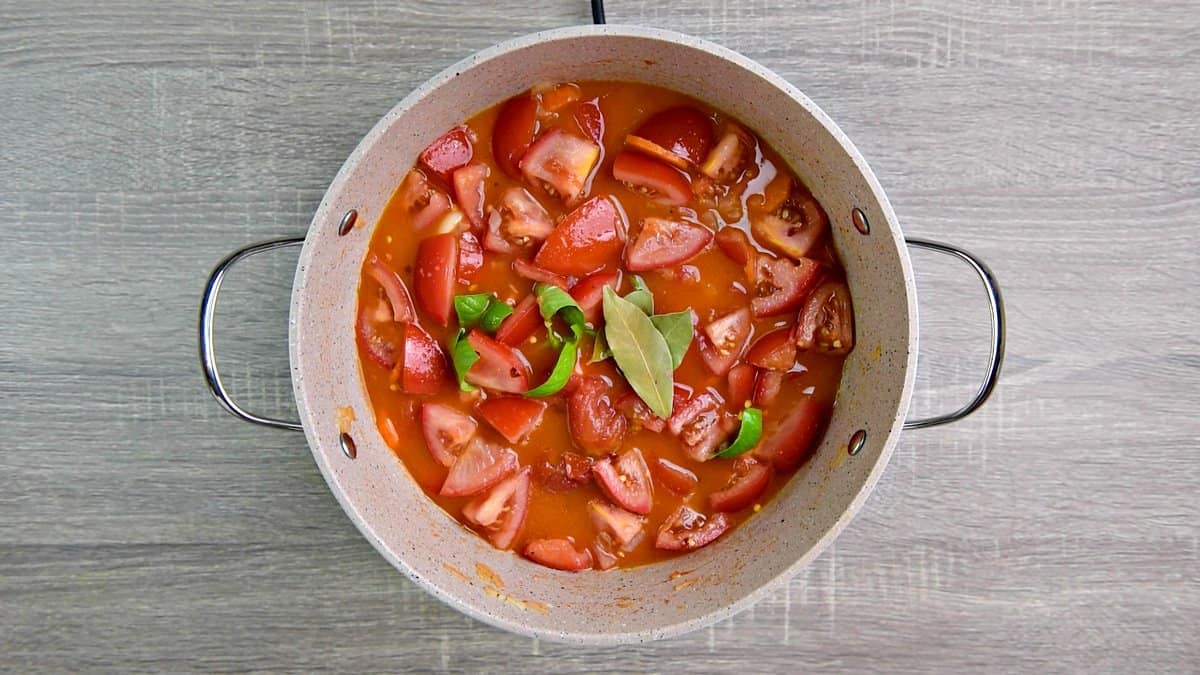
<point>649,602</point>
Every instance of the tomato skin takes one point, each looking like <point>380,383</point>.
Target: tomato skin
<point>665,181</point>
<point>789,443</point>
<point>626,481</point>
<point>781,286</point>
<point>747,483</point>
<point>826,323</point>
<point>558,554</point>
<point>500,367</point>
<point>682,131</point>
<point>592,418</point>
<point>688,530</point>
<point>532,272</point>
<point>380,340</point>
<point>674,477</point>
<point>423,369</point>
<point>766,387</point>
<point>665,243</point>
<point>589,293</point>
<point>724,340</point>
<point>469,192</point>
<point>590,120</point>
<point>741,384</point>
<point>774,351</point>
<point>571,471</point>
<point>513,133</point>
<point>393,286</point>
<point>589,238</point>
<point>448,152</point>
<point>446,431</point>
<point>523,322</point>
<point>501,512</point>
<point>470,258</point>
<point>515,417</point>
<point>562,162</point>
<point>435,274</point>
<point>479,467</point>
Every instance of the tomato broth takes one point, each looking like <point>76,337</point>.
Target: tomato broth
<point>703,216</point>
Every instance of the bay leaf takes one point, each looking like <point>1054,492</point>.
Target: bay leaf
<point>640,351</point>
<point>677,329</point>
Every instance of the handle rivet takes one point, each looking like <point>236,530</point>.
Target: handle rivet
<point>348,446</point>
<point>857,440</point>
<point>860,221</point>
<point>347,223</point>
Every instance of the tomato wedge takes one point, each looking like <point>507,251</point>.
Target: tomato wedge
<point>470,258</point>
<point>650,176</point>
<point>681,135</point>
<point>394,288</point>
<point>561,163</point>
<point>736,246</point>
<point>518,326</point>
<point>725,339</point>
<point>674,477</point>
<point>447,432</point>
<point>589,238</point>
<point>423,368</point>
<point>741,384</point>
<point>592,417</point>
<point>448,152</point>
<point>747,483</point>
<point>827,321</point>
<point>379,339</point>
<point>626,481</point>
<point>480,466</point>
<point>501,512</point>
<point>724,162</point>
<point>625,527</point>
<point>590,120</point>
<point>469,192</point>
<point>571,471</point>
<point>688,530</point>
<point>665,243</point>
<point>766,387</point>
<point>781,286</point>
<point>519,221</point>
<point>435,275</point>
<point>500,367</point>
<point>513,133</point>
<point>636,411</point>
<point>788,444</point>
<point>558,554</point>
<point>701,425</point>
<point>794,227</point>
<point>589,293</point>
<point>530,271</point>
<point>774,351</point>
<point>515,417</point>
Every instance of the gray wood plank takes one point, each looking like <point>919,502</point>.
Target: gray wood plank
<point>141,528</point>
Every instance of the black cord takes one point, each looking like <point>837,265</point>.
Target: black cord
<point>597,11</point>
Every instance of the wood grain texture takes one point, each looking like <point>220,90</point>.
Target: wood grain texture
<point>141,528</point>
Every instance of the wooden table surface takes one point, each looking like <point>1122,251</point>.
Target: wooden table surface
<point>142,528</point>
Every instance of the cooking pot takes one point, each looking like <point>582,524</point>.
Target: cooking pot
<point>651,601</point>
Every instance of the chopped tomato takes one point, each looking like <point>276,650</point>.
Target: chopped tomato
<point>447,432</point>
<point>665,243</point>
<point>589,293</point>
<point>637,412</point>
<point>588,238</point>
<point>788,444</point>
<point>741,384</point>
<point>700,425</point>
<point>725,161</point>
<point>650,176</point>
<point>625,527</point>
<point>766,387</point>
<point>530,271</point>
<point>681,135</point>
<point>435,275</point>
<point>449,152</point>
<point>603,547</point>
<point>592,417</point>
<point>688,530</point>
<point>519,221</point>
<point>736,246</point>
<point>470,258</point>
<point>394,288</point>
<point>561,163</point>
<point>469,192</point>
<point>379,340</point>
<point>774,351</point>
<point>557,96</point>
<point>747,483</point>
<point>423,204</point>
<point>781,286</point>
<point>515,417</point>
<point>571,471</point>
<point>500,367</point>
<point>827,321</point>
<point>518,326</point>
<point>674,477</point>
<point>726,338</point>
<point>501,512</point>
<point>423,368</point>
<point>480,466</point>
<point>513,133</point>
<point>558,554</point>
<point>590,120</point>
<point>626,481</point>
<point>794,227</point>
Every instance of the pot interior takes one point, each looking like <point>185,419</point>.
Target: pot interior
<point>621,605</point>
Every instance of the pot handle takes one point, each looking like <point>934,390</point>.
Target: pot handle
<point>996,305</point>
<point>208,357</point>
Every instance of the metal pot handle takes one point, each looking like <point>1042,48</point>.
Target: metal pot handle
<point>208,357</point>
<point>996,304</point>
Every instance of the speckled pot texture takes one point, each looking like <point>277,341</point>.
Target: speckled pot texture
<point>649,602</point>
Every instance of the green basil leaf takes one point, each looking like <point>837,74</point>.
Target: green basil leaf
<point>640,351</point>
<point>643,300</point>
<point>748,433</point>
<point>639,284</point>
<point>563,367</point>
<point>553,300</point>
<point>677,330</point>
<point>463,355</point>
<point>470,307</point>
<point>494,315</point>
<point>600,350</point>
